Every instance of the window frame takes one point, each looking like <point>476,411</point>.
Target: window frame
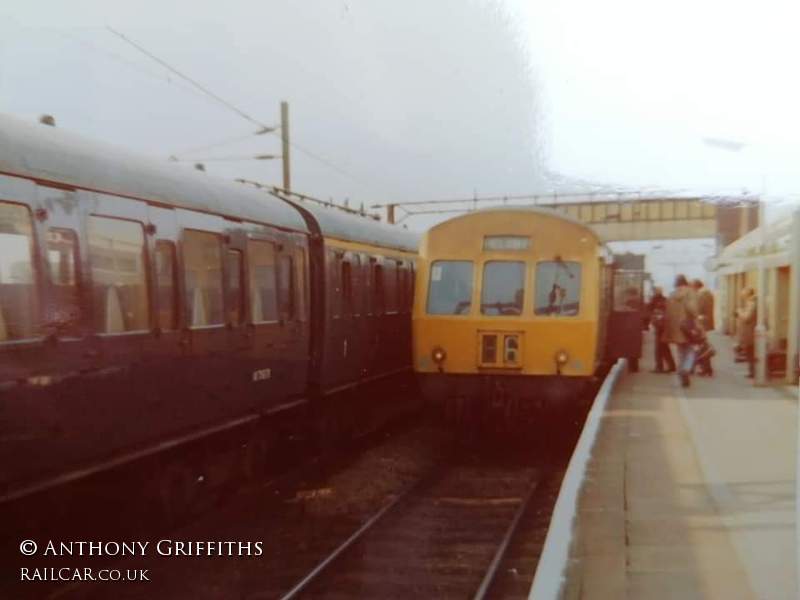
<point>485,265</point>
<point>291,314</point>
<point>221,246</point>
<point>273,245</point>
<point>37,267</point>
<point>175,295</point>
<point>378,288</point>
<point>229,299</point>
<point>346,279</point>
<point>145,277</point>
<point>535,280</point>
<point>76,330</point>
<point>472,288</point>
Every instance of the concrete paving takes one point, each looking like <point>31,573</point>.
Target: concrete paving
<point>690,493</point>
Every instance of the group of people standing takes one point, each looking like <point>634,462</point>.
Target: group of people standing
<point>683,319</point>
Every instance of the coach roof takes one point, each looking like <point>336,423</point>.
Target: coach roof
<point>337,224</point>
<point>50,154</point>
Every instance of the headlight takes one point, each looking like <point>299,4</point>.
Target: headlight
<point>438,355</point>
<point>562,358</point>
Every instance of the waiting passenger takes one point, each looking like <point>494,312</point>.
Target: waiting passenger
<point>705,306</point>
<point>681,315</point>
<point>657,310</point>
<point>746,327</point>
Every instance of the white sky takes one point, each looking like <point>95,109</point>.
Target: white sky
<point>419,100</point>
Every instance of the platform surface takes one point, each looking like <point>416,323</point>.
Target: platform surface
<point>690,493</point>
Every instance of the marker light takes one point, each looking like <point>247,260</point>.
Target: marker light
<point>562,358</point>
<point>438,355</point>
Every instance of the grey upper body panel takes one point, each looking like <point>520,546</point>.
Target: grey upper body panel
<point>52,155</point>
<point>336,224</point>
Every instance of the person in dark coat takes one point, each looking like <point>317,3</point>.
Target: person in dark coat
<point>681,320</point>
<point>657,311</point>
<point>705,308</point>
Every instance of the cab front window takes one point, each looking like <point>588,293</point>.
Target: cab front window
<point>450,287</point>
<point>503,292</point>
<point>558,288</point>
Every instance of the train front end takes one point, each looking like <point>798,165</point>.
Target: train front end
<point>508,315</point>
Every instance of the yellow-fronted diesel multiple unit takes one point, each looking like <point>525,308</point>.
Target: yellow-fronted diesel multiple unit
<point>510,310</point>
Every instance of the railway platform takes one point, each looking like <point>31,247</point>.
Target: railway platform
<point>689,493</point>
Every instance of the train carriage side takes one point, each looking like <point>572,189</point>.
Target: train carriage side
<point>138,306</point>
<point>144,308</point>
<point>509,309</point>
<point>367,270</point>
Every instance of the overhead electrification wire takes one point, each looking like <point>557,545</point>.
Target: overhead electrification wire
<point>132,65</point>
<point>226,158</point>
<point>182,153</point>
<point>188,79</point>
<point>263,128</point>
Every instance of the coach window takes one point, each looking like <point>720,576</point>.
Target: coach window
<point>390,286</point>
<point>379,292</point>
<point>202,257</point>
<point>300,283</point>
<point>166,287</point>
<point>450,287</point>
<point>263,299</point>
<point>286,295</point>
<point>62,257</point>
<point>405,287</point>
<point>119,284</point>
<point>356,280</point>
<point>19,297</point>
<point>558,288</point>
<point>347,288</point>
<point>368,265</point>
<point>410,289</point>
<point>503,290</point>
<point>235,288</point>
<point>334,291</point>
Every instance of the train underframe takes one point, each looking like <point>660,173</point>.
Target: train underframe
<point>505,403</point>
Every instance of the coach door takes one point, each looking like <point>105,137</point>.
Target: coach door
<point>293,337</point>
<point>204,335</point>
<point>269,376</point>
<point>627,316</point>
<point>168,363</point>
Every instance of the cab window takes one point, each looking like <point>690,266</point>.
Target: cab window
<point>558,288</point>
<point>503,291</point>
<point>450,287</point>
<point>202,257</point>
<point>119,284</point>
<point>18,294</point>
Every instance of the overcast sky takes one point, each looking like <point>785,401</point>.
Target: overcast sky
<point>428,99</point>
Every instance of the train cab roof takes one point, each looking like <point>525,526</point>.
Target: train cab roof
<point>510,221</point>
<point>52,155</point>
<point>533,211</point>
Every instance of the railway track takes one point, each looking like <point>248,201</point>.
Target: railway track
<point>454,534</point>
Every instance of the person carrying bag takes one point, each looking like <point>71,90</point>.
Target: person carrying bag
<point>682,328</point>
